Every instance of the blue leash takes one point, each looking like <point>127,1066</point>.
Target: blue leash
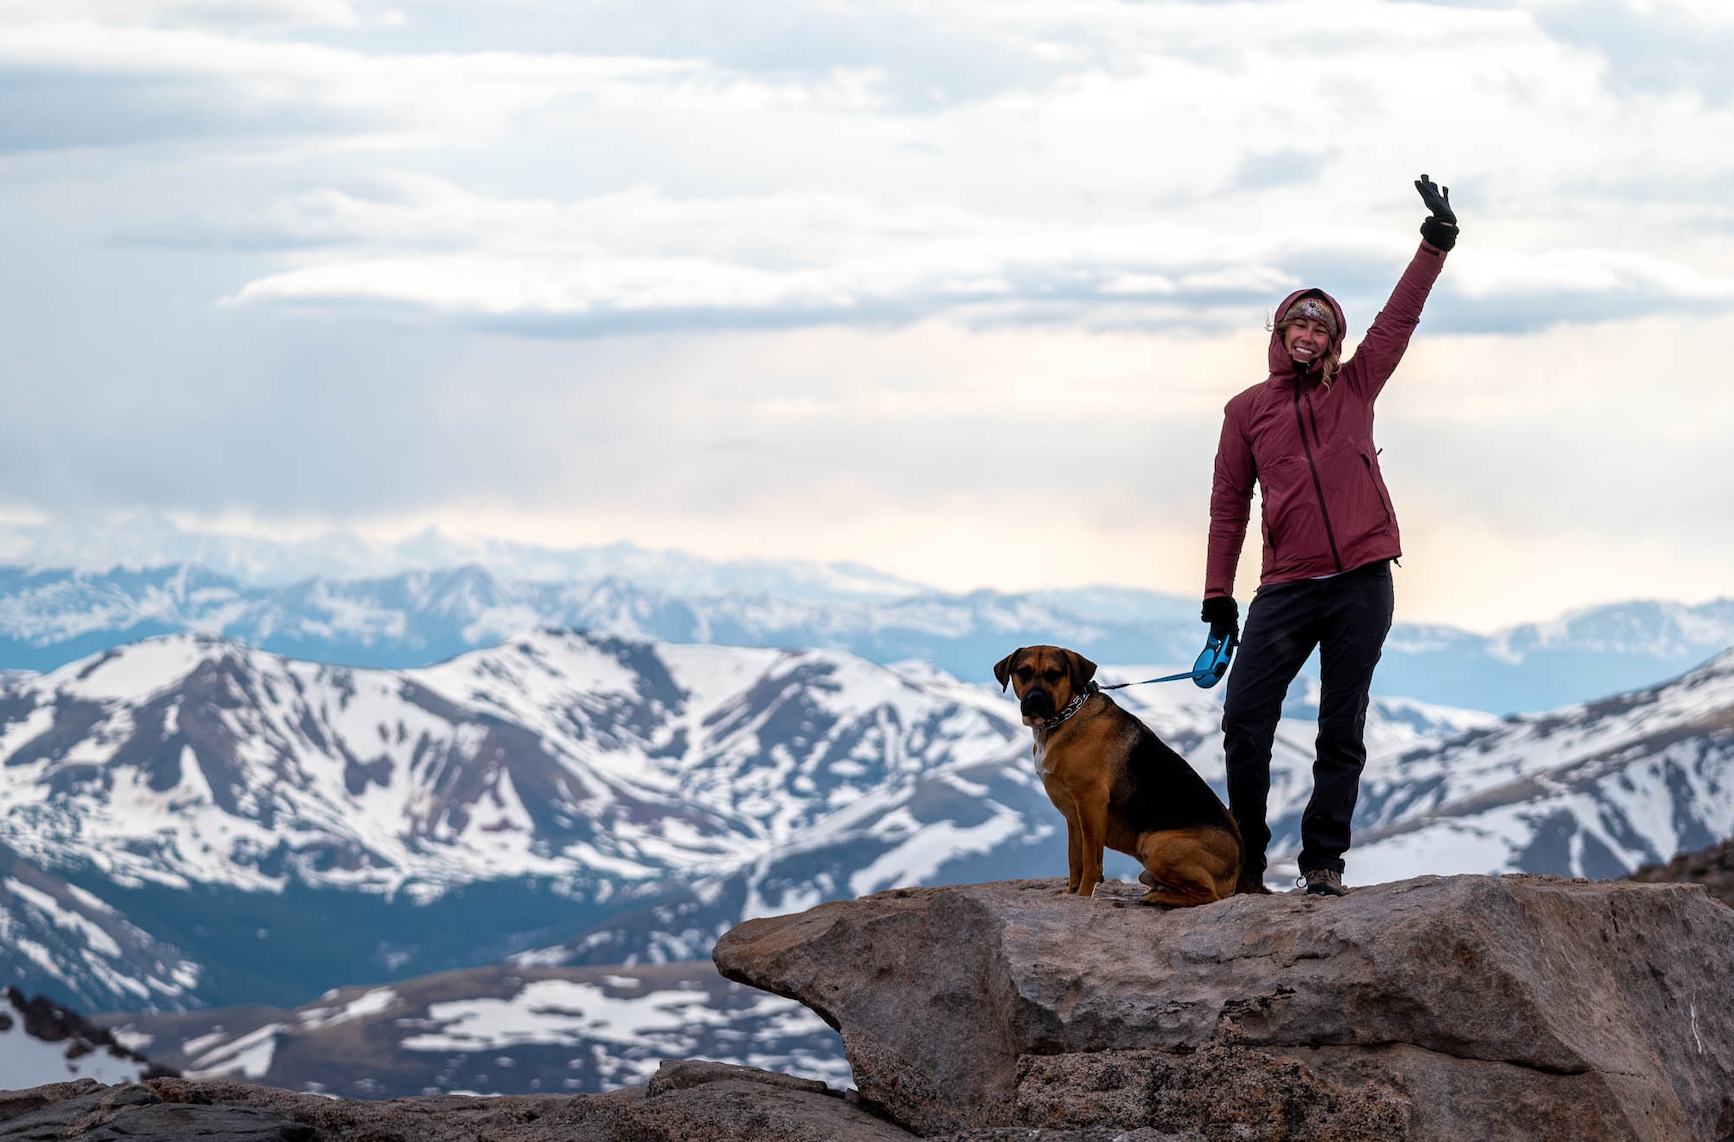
<point>1212,664</point>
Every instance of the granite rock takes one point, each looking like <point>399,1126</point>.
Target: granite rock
<point>685,1102</point>
<point>135,1113</point>
<point>1437,1008</point>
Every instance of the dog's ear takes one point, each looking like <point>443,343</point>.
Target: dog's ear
<point>1003,668</point>
<point>1082,671</point>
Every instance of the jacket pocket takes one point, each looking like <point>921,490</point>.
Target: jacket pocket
<point>1378,491</point>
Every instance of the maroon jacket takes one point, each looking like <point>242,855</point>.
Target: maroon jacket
<point>1326,509</point>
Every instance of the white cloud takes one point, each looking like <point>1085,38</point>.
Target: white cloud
<point>1147,164</point>
<point>838,266</point>
<point>234,15</point>
<point>433,95</point>
<point>792,258</point>
<point>783,257</point>
<point>1635,275</point>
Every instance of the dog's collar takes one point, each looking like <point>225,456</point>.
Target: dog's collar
<point>1072,707</point>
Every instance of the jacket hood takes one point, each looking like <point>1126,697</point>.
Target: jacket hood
<point>1281,364</point>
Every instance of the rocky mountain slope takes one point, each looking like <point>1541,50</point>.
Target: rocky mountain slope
<point>58,937</point>
<point>502,1029</point>
<point>51,617</point>
<point>1592,790</point>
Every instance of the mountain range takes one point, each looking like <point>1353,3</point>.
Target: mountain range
<point>193,821</point>
<point>142,540</point>
<point>240,806</point>
<point>50,617</point>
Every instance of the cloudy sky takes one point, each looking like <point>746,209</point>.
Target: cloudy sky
<point>956,290</point>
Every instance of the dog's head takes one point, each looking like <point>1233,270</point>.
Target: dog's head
<point>1045,679</point>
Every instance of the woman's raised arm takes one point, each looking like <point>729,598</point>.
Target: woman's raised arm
<point>1388,337</point>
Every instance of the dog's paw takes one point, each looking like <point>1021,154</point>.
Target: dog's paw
<point>1155,898</point>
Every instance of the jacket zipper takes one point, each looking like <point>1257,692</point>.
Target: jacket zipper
<point>1318,487</point>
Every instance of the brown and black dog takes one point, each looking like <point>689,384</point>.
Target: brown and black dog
<point>1119,786</point>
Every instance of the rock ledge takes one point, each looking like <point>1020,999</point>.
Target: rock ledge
<point>1515,1007</point>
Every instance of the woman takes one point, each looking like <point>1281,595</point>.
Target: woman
<point>1306,436</point>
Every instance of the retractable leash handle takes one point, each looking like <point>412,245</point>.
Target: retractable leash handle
<point>1213,662</point>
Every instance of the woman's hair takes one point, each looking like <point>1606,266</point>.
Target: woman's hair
<point>1328,364</point>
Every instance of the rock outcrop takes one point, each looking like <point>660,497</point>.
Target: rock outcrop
<point>1712,867</point>
<point>684,1102</point>
<point>134,1112</point>
<point>1510,1007</point>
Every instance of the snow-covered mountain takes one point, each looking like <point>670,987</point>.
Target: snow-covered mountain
<point>1591,790</point>
<point>195,821</point>
<point>234,803</point>
<point>188,759</point>
<point>49,618</point>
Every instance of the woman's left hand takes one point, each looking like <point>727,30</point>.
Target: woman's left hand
<point>1441,228</point>
<point>1438,201</point>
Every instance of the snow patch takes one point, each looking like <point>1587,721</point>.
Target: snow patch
<point>249,1055</point>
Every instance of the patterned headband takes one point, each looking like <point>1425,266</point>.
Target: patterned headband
<point>1316,309</point>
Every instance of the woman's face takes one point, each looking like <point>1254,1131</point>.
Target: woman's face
<point>1306,340</point>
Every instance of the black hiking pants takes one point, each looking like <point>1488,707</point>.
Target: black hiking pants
<point>1347,617</point>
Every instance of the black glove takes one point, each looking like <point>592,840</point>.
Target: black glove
<point>1440,230</point>
<point>1223,615</point>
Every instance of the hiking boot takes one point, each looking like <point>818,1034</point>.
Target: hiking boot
<point>1322,882</point>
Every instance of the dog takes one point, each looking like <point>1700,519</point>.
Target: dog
<point>1119,786</point>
